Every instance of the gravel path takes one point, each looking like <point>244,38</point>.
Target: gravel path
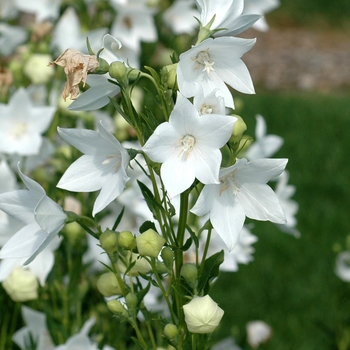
<point>299,59</point>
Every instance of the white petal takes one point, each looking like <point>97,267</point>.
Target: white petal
<point>87,174</point>
<point>227,217</point>
<point>49,215</point>
<point>205,200</point>
<point>260,203</point>
<point>24,243</point>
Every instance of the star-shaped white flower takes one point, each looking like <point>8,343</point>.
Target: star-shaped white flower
<point>180,17</point>
<point>42,217</point>
<point>209,104</point>
<point>228,15</point>
<point>188,146</point>
<point>102,167</point>
<point>264,145</point>
<point>43,9</point>
<point>21,124</point>
<point>242,193</point>
<point>134,23</point>
<point>213,63</point>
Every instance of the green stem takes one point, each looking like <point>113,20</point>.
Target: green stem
<point>179,259</point>
<point>134,324</point>
<point>206,248</point>
<point>194,341</point>
<point>165,293</point>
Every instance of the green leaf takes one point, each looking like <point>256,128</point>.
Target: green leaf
<point>187,245</point>
<point>91,52</point>
<point>210,271</point>
<point>154,74</point>
<point>120,110</point>
<point>119,218</point>
<point>146,226</point>
<point>151,202</point>
<point>193,236</point>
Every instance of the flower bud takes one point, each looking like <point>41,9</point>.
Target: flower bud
<point>37,70</point>
<point>126,240</point>
<point>171,331</point>
<point>118,71</point>
<point>202,315</point>
<point>258,332</point>
<point>103,66</point>
<point>108,285</point>
<point>141,264</point>
<point>168,257</point>
<point>239,128</point>
<point>109,241</point>
<point>190,273</point>
<point>149,243</point>
<point>21,285</point>
<point>117,307</point>
<point>131,302</point>
<point>168,74</point>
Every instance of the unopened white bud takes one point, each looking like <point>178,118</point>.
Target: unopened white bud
<point>202,315</point>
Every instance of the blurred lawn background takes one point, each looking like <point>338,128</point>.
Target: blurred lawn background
<point>291,285</point>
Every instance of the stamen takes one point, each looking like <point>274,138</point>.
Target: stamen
<point>203,59</point>
<point>187,144</point>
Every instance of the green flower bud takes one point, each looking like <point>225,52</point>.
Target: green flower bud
<point>131,300</point>
<point>103,66</point>
<point>126,240</point>
<point>109,241</point>
<point>239,128</point>
<point>168,75</point>
<point>190,273</point>
<point>245,143</point>
<point>171,332</point>
<point>108,285</point>
<point>149,243</point>
<point>117,307</point>
<point>168,257</point>
<point>118,71</point>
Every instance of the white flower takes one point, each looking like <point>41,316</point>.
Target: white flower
<point>290,207</point>
<point>202,315</point>
<point>102,167</point>
<point>188,146</point>
<point>10,38</point>
<point>42,217</point>
<point>264,145</point>
<point>21,124</point>
<point>35,328</point>
<point>209,104</point>
<point>258,332</point>
<point>242,192</point>
<point>43,9</point>
<point>133,24</point>
<point>180,17</point>
<point>228,15</point>
<point>213,63</point>
<point>342,269</point>
<point>97,96</point>
<point>68,34</point>
<point>261,7</point>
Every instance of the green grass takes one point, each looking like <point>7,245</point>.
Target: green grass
<point>312,13</point>
<point>291,284</point>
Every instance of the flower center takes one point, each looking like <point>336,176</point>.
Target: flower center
<point>187,144</point>
<point>116,159</point>
<point>203,59</point>
<point>229,181</point>
<point>19,129</point>
<point>206,109</point>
